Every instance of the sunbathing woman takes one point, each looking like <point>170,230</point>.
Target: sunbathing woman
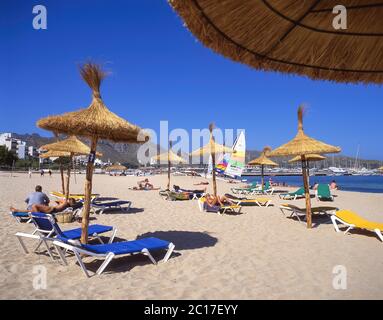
<point>60,206</point>
<point>212,200</point>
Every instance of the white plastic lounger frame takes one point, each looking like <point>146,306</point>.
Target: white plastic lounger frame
<point>21,235</point>
<point>302,213</point>
<point>108,257</point>
<point>100,208</point>
<point>334,220</point>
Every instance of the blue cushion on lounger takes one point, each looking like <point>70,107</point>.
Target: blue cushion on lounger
<point>76,233</point>
<point>128,246</point>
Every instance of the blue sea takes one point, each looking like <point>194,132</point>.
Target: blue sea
<point>347,183</point>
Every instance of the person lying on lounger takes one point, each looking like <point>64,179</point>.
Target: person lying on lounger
<point>212,200</point>
<point>201,183</point>
<point>178,189</point>
<point>61,205</point>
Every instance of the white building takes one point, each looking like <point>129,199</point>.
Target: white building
<point>33,152</point>
<point>15,145</point>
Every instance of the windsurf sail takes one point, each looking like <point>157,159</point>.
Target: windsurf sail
<point>222,163</point>
<point>236,163</point>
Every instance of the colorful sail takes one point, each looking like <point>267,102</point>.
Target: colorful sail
<point>236,163</point>
<point>223,162</point>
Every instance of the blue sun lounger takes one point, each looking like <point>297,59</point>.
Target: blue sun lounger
<point>110,250</point>
<point>47,230</point>
<point>21,216</point>
<point>100,207</point>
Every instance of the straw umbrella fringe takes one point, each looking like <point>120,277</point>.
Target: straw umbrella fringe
<point>263,161</point>
<point>303,145</point>
<point>309,157</point>
<point>116,167</point>
<point>95,122</point>
<point>291,36</point>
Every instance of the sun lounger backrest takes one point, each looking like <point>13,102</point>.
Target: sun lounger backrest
<point>46,223</point>
<point>324,191</point>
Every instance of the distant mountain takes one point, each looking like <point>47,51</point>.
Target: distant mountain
<point>127,153</point>
<point>113,152</point>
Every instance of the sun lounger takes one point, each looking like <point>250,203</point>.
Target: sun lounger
<point>300,213</point>
<point>47,230</point>
<point>100,207</point>
<point>323,193</point>
<point>260,201</point>
<point>20,216</point>
<point>250,190</point>
<point>109,251</point>
<point>76,196</point>
<point>353,221</point>
<point>300,193</point>
<point>204,207</point>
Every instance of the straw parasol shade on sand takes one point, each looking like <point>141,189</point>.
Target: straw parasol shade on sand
<point>116,167</point>
<point>95,122</point>
<point>263,161</point>
<point>57,154</point>
<point>72,146</point>
<point>303,145</point>
<point>292,36</point>
<point>212,148</point>
<point>168,157</point>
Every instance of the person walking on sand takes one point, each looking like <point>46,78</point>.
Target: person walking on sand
<point>30,173</point>
<point>50,173</point>
<point>42,173</point>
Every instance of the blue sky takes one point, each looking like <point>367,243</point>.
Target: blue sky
<point>159,71</point>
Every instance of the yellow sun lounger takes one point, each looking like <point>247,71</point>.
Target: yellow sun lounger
<point>76,196</point>
<point>261,202</point>
<point>220,209</point>
<point>352,220</point>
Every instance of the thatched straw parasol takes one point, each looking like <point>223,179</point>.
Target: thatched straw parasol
<point>212,148</point>
<point>309,157</point>
<point>303,145</point>
<point>116,167</point>
<point>95,122</point>
<point>168,157</point>
<point>380,169</point>
<point>57,154</point>
<point>292,36</point>
<point>74,147</point>
<point>263,161</point>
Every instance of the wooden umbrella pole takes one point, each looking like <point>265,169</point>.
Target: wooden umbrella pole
<point>307,192</point>
<point>88,191</point>
<point>262,177</point>
<point>170,146</point>
<point>68,177</point>
<point>62,176</point>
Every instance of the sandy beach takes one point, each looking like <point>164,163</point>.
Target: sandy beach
<point>260,254</point>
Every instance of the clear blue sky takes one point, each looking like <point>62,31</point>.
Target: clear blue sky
<point>161,72</point>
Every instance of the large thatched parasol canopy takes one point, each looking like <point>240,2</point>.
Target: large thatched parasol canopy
<point>212,148</point>
<point>69,145</point>
<point>309,157</point>
<point>116,167</point>
<point>381,168</point>
<point>95,122</point>
<point>303,145</point>
<point>54,154</point>
<point>263,161</point>
<point>168,156</point>
<point>292,36</point>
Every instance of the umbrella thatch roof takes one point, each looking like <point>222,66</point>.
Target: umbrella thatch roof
<point>303,144</point>
<point>163,158</point>
<point>54,154</point>
<point>116,167</point>
<point>381,168</point>
<point>308,157</point>
<point>207,149</point>
<point>70,145</point>
<point>96,120</point>
<point>292,36</point>
<point>263,160</point>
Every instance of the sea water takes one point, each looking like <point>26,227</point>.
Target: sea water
<point>347,183</point>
